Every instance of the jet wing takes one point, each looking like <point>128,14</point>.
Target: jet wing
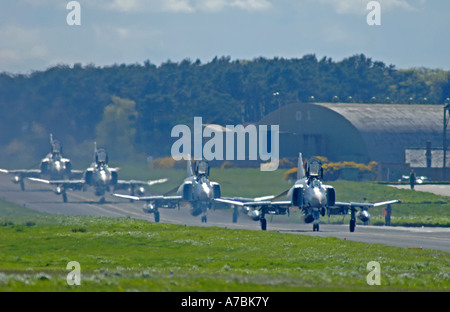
<point>68,184</point>
<point>241,201</point>
<point>160,198</point>
<point>128,183</point>
<point>364,205</point>
<point>229,201</point>
<point>340,208</point>
<point>23,172</point>
<point>256,208</point>
<point>388,202</point>
<point>256,202</point>
<point>285,203</point>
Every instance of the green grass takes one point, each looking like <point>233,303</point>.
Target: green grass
<point>124,254</point>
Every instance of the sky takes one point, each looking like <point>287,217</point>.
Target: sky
<point>35,34</point>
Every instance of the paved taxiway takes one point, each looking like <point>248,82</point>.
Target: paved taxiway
<point>438,189</point>
<point>41,198</point>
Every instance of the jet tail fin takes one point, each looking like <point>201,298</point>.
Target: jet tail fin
<point>300,169</point>
<point>189,172</point>
<point>51,143</point>
<point>95,152</point>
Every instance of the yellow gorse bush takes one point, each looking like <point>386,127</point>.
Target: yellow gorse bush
<point>332,170</point>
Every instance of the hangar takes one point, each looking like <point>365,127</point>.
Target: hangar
<point>358,132</point>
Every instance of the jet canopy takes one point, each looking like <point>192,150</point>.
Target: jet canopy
<point>314,168</point>
<point>55,147</point>
<point>202,168</point>
<point>101,157</point>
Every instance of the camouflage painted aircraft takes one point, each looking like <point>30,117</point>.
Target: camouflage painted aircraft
<point>310,196</point>
<point>196,191</point>
<point>53,166</point>
<point>101,177</point>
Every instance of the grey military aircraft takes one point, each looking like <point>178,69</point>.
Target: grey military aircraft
<point>311,196</point>
<point>53,166</point>
<point>196,190</point>
<point>101,177</point>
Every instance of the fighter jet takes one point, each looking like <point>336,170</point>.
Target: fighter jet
<point>310,196</point>
<point>53,166</point>
<point>101,177</point>
<point>196,190</point>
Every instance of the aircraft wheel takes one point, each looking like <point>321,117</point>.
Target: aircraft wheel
<point>64,196</point>
<point>352,225</point>
<point>22,185</point>
<point>102,200</point>
<point>157,216</point>
<point>204,219</point>
<point>235,215</point>
<point>263,224</point>
<point>316,227</point>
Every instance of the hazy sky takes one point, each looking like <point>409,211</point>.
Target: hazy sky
<point>34,34</point>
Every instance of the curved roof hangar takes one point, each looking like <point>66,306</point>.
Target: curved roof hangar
<point>359,132</point>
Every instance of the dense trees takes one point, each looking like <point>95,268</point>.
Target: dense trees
<point>117,129</point>
<point>139,104</point>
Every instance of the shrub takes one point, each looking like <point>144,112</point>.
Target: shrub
<point>227,164</point>
<point>290,175</point>
<point>333,170</point>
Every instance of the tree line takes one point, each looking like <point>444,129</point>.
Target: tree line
<point>131,108</point>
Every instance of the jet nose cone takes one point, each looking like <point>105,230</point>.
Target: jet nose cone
<point>204,193</point>
<point>318,200</point>
<point>103,177</point>
<point>315,202</point>
<point>58,166</point>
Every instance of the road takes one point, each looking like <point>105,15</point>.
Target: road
<point>40,197</point>
<point>438,189</point>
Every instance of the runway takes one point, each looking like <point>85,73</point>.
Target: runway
<point>41,198</point>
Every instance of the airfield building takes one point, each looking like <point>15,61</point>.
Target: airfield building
<point>394,135</point>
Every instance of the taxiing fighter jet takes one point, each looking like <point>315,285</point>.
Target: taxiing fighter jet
<point>311,196</point>
<point>101,177</point>
<point>196,190</point>
<point>53,166</point>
